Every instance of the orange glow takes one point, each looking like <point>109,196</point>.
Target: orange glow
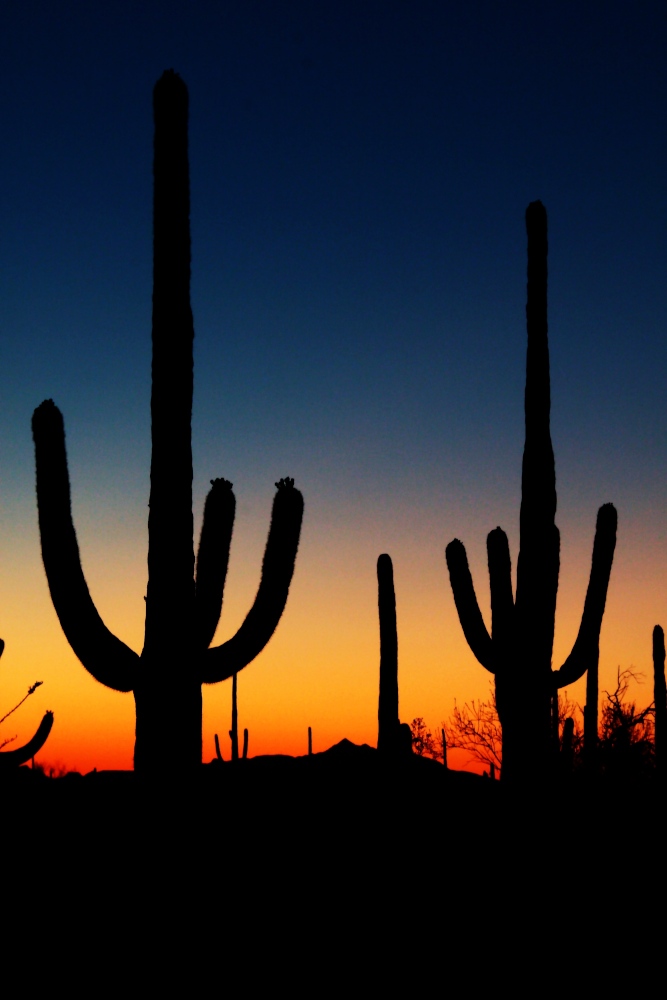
<point>321,667</point>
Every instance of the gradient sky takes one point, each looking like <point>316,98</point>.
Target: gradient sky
<point>360,172</point>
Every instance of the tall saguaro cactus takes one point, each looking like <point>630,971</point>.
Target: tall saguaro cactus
<point>182,612</point>
<point>519,649</point>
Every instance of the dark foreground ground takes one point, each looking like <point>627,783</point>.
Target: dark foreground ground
<point>339,848</point>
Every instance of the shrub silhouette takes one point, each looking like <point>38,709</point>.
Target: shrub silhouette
<point>19,755</point>
<point>182,612</point>
<point>519,649</point>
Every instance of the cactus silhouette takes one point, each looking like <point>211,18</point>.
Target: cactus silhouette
<point>659,700</point>
<point>388,720</point>
<point>394,738</point>
<point>19,755</point>
<point>234,731</point>
<point>518,650</point>
<point>182,610</point>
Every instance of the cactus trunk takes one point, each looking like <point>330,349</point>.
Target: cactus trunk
<point>161,691</point>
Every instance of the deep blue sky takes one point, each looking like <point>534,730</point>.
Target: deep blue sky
<point>359,176</point>
<point>360,172</point>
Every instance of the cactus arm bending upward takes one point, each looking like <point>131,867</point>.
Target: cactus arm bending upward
<point>221,662</point>
<point>500,578</point>
<point>585,652</point>
<point>213,559</point>
<point>465,599</point>
<point>14,758</point>
<point>103,655</point>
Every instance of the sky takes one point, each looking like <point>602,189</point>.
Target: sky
<point>359,174</point>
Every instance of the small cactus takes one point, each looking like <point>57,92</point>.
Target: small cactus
<point>659,700</point>
<point>234,731</point>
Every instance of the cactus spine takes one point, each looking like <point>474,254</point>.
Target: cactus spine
<point>518,651</point>
<point>182,611</point>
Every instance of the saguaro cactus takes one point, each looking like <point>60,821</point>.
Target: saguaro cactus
<point>388,721</point>
<point>19,755</point>
<point>660,700</point>
<point>181,612</point>
<point>519,649</point>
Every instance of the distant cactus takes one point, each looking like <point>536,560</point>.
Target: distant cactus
<point>519,649</point>
<point>181,613</point>
<point>310,741</point>
<point>234,731</point>
<point>394,737</point>
<point>19,755</point>
<point>388,721</point>
<point>659,700</point>
<point>244,755</point>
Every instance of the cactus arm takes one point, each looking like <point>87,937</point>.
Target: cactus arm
<point>500,577</point>
<point>103,655</point>
<point>213,559</point>
<point>586,650</point>
<point>14,758</point>
<point>467,607</point>
<point>221,662</point>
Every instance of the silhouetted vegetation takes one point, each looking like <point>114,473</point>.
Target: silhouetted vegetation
<point>624,743</point>
<point>423,742</point>
<point>518,651</point>
<point>182,608</point>
<point>19,755</point>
